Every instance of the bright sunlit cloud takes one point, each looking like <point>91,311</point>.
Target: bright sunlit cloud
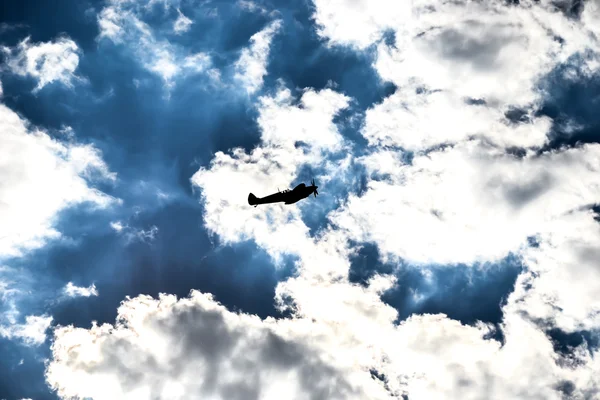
<point>76,291</point>
<point>40,177</point>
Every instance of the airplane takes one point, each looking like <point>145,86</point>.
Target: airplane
<point>287,196</point>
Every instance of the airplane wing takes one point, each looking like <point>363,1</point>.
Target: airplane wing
<point>292,200</point>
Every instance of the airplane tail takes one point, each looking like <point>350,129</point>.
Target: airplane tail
<point>252,199</point>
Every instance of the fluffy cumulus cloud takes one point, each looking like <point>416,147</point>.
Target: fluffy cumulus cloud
<point>441,45</point>
<point>444,185</point>
<point>419,120</point>
<point>468,203</point>
<point>47,62</point>
<point>76,291</point>
<point>323,352</point>
<point>438,358</point>
<point>177,341</point>
<point>40,177</point>
<point>251,67</point>
<point>561,285</point>
<point>358,23</point>
<point>446,55</point>
<point>294,135</point>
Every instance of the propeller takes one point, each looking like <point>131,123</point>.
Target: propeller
<point>315,192</point>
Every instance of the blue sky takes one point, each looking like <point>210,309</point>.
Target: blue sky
<point>452,250</point>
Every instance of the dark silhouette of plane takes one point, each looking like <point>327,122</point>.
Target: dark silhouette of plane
<point>287,196</point>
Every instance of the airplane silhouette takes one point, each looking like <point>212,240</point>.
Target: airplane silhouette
<point>287,196</point>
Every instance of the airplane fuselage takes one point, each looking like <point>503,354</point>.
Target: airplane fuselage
<point>287,196</point>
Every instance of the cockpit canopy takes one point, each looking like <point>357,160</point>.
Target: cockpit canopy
<point>300,186</point>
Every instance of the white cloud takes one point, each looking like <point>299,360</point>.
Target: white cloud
<point>117,226</point>
<point>359,23</point>
<point>147,235</point>
<point>427,356</point>
<point>198,62</point>
<point>252,6</point>
<point>75,291</point>
<point>198,348</point>
<point>474,202</point>
<point>195,348</point>
<point>468,203</point>
<point>421,121</point>
<point>251,67</point>
<point>182,24</point>
<point>132,234</point>
<point>122,24</point>
<point>590,16</point>
<point>47,61</point>
<point>40,177</point>
<point>467,50</point>
<point>125,23</point>
<point>87,162</point>
<point>283,124</point>
<point>434,357</point>
<point>461,50</point>
<point>8,293</point>
<point>110,21</point>
<point>32,332</point>
<point>562,282</point>
<point>273,165</point>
